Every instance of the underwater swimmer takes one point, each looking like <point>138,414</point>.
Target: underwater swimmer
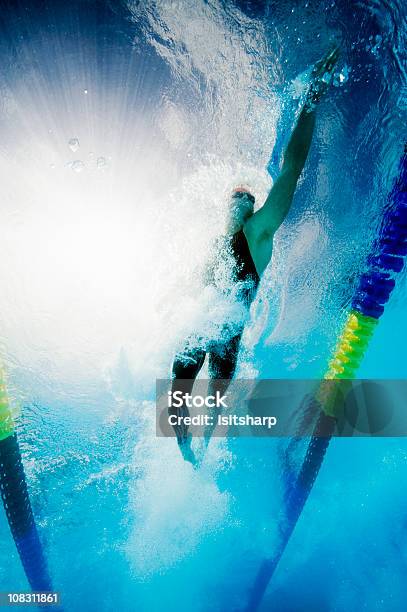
<point>250,236</point>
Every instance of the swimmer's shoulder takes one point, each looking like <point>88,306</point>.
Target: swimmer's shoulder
<point>260,245</point>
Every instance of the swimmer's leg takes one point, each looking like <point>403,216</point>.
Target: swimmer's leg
<point>222,367</point>
<point>222,362</point>
<point>185,369</point>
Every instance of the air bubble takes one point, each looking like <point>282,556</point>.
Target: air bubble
<point>326,78</point>
<point>73,144</point>
<point>341,77</point>
<point>78,165</point>
<point>101,162</point>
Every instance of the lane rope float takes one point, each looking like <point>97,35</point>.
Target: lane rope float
<point>16,501</point>
<point>373,292</point>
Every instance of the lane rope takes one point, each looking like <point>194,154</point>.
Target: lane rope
<point>371,295</point>
<point>16,501</point>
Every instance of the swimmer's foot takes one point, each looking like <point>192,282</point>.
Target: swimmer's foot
<point>186,450</point>
<point>321,77</point>
<point>204,443</point>
<point>201,451</point>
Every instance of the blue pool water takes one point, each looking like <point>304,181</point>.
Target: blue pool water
<point>123,125</point>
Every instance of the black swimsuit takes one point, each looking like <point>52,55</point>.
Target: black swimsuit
<point>223,354</point>
<point>245,270</point>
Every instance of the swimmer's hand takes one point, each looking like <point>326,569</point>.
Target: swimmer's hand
<point>321,77</point>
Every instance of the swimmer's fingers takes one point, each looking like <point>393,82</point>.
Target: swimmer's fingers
<point>332,58</point>
<point>327,63</point>
<point>321,77</point>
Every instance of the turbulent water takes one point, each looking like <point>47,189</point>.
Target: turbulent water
<point>123,129</point>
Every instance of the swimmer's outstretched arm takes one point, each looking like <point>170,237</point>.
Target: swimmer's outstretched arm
<point>279,200</point>
<point>261,227</point>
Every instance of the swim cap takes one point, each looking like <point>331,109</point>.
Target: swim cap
<point>239,191</point>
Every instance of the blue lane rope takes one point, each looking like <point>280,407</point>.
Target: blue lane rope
<point>373,292</point>
<point>16,501</point>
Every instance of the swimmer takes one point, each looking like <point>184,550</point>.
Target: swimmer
<point>250,236</point>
